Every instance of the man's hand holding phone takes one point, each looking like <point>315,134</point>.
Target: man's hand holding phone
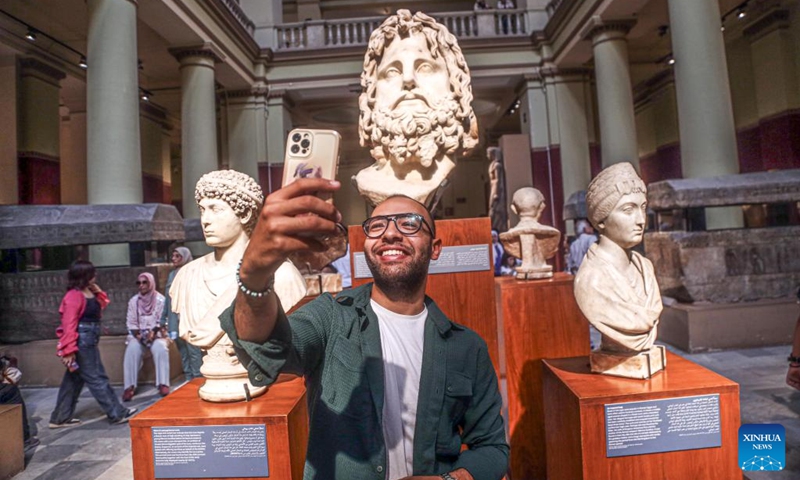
<point>293,219</point>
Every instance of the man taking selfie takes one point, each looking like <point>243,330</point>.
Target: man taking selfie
<point>394,387</point>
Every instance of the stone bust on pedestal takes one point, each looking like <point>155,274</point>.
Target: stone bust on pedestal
<point>416,113</point>
<point>229,204</point>
<point>530,240</point>
<point>616,287</point>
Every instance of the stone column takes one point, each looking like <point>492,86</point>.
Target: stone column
<point>279,124</point>
<point>246,129</point>
<point>198,120</point>
<point>614,93</point>
<point>113,162</point>
<point>555,107</point>
<point>705,112</point>
<point>8,134</point>
<point>39,133</point>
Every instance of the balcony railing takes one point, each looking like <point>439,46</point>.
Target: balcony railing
<point>239,15</point>
<point>322,34</point>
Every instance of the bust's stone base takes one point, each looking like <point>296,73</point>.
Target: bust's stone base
<point>642,365</point>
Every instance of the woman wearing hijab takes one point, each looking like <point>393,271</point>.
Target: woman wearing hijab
<point>78,337</point>
<point>144,332</point>
<point>191,356</point>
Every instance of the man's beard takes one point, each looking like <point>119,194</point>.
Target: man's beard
<point>426,133</point>
<point>403,280</point>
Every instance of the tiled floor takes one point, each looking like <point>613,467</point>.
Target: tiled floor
<point>97,450</point>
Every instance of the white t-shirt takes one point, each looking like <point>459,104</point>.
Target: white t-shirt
<point>402,339</point>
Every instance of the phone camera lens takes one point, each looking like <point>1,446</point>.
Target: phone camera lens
<point>295,149</point>
<point>296,137</point>
<point>305,143</point>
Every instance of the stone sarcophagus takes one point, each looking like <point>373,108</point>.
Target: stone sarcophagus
<point>757,262</point>
<point>38,242</point>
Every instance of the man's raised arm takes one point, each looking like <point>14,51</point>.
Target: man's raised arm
<point>293,219</point>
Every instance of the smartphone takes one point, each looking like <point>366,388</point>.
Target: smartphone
<point>311,153</point>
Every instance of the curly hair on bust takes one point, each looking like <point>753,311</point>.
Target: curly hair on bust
<point>237,189</point>
<point>441,43</point>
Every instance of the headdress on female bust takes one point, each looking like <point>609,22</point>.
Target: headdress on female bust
<point>229,203</point>
<point>615,286</point>
<point>416,108</point>
<point>529,239</point>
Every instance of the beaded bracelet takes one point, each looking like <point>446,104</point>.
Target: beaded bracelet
<point>249,292</point>
<point>792,359</point>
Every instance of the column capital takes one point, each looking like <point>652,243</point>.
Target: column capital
<point>774,19</point>
<point>32,67</point>
<point>596,27</point>
<point>207,50</point>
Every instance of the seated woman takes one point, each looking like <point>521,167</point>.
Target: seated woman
<point>144,332</point>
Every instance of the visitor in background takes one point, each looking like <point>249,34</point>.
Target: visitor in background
<point>497,253</point>
<point>145,333</point>
<point>342,266</point>
<point>577,251</point>
<point>480,5</point>
<point>793,375</point>
<point>504,19</point>
<point>509,266</point>
<point>78,337</point>
<point>191,356</point>
<point>10,395</point>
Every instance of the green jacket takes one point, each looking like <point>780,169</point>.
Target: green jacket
<point>336,345</point>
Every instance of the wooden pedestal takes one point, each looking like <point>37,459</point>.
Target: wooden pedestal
<point>466,298</point>
<point>574,401</point>
<point>282,409</point>
<point>540,319</point>
<point>12,456</point>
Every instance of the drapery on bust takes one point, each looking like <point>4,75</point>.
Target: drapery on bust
<point>529,239</point>
<point>229,203</point>
<point>416,112</point>
<point>616,287</point>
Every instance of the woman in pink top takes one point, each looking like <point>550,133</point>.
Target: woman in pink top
<point>78,336</point>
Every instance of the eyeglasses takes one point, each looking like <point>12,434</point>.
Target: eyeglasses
<point>142,282</point>
<point>406,223</point>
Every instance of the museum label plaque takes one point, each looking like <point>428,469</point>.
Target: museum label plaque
<point>212,451</point>
<point>453,259</point>
<point>665,425</point>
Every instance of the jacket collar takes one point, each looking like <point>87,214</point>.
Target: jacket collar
<point>359,298</point>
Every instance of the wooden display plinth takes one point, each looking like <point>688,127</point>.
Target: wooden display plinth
<point>574,405</point>
<point>12,456</point>
<point>540,319</point>
<point>282,409</point>
<point>466,298</point>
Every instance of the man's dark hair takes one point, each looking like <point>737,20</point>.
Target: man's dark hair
<point>430,219</point>
<point>80,274</point>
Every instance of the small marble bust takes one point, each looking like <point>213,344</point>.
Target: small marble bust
<point>615,286</point>
<point>529,239</point>
<point>229,203</point>
<point>416,108</point>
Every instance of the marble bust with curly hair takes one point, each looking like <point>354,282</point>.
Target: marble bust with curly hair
<point>229,203</point>
<point>415,108</point>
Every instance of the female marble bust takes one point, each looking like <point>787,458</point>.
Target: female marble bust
<point>615,286</point>
<point>229,203</point>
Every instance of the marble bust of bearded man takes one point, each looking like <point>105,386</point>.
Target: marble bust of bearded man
<point>229,203</point>
<point>616,287</point>
<point>416,108</point>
